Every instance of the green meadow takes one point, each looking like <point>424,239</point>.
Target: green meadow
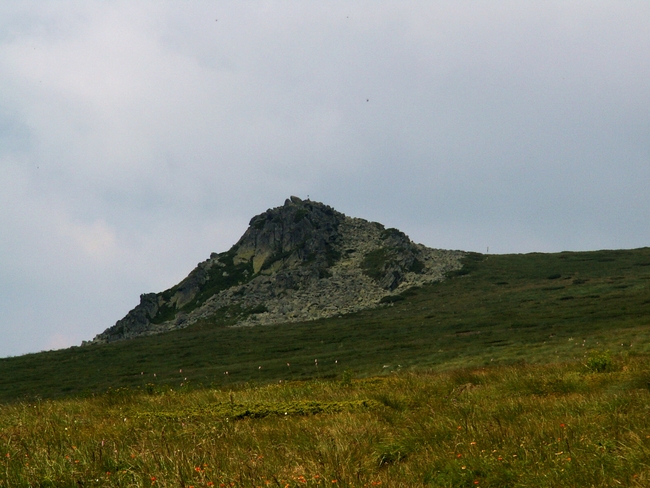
<point>519,370</point>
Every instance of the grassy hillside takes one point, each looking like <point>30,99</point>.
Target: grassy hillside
<point>498,309</point>
<point>518,371</point>
<point>537,426</point>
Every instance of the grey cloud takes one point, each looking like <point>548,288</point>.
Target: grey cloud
<point>137,137</point>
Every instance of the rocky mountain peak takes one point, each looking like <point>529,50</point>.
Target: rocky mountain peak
<point>300,261</point>
<point>283,237</point>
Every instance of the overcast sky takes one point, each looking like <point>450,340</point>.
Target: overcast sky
<point>138,137</point>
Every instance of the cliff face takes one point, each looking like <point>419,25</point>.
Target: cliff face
<point>301,261</point>
<point>283,237</point>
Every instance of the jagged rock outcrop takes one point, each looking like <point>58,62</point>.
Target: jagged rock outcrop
<point>302,261</point>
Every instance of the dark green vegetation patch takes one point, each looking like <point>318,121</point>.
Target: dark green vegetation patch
<point>218,279</point>
<point>374,262</point>
<point>235,411</point>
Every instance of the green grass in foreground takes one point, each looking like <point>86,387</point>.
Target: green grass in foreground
<point>497,377</point>
<point>500,309</point>
<point>498,426</point>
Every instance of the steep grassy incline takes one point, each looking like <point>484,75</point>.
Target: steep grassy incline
<point>497,309</point>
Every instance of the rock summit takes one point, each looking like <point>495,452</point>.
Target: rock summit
<point>298,262</point>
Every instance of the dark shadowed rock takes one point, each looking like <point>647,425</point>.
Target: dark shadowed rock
<point>283,237</point>
<point>136,321</point>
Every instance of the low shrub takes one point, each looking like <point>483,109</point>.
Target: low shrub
<point>600,362</point>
